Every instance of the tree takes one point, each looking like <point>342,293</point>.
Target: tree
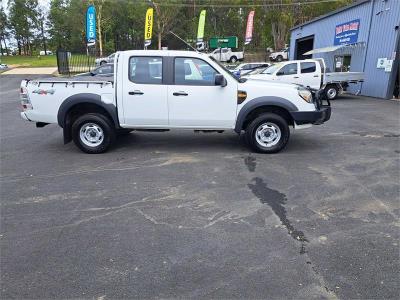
<point>23,22</point>
<point>166,14</point>
<point>4,26</point>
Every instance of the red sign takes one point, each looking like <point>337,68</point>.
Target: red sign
<point>249,28</point>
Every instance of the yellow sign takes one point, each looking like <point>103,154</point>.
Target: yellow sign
<point>148,27</point>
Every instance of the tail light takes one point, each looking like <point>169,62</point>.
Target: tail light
<point>25,102</point>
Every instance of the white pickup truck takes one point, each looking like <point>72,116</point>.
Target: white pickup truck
<point>163,90</point>
<point>227,55</point>
<point>310,73</point>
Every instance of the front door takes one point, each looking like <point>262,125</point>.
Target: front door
<point>145,101</point>
<point>288,73</point>
<point>195,101</point>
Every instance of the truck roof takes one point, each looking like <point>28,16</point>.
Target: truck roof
<point>164,53</point>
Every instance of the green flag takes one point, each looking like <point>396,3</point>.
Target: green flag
<point>200,30</point>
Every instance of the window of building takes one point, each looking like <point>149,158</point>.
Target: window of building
<point>193,71</point>
<point>342,63</point>
<point>145,69</point>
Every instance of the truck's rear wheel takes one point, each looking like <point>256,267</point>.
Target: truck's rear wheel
<point>93,133</point>
<point>331,92</point>
<point>268,133</point>
<point>233,59</point>
<point>279,58</point>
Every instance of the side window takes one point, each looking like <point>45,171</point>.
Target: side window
<point>289,69</point>
<point>307,67</point>
<point>193,71</point>
<point>225,50</point>
<point>145,69</point>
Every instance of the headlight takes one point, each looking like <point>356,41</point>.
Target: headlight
<point>306,95</point>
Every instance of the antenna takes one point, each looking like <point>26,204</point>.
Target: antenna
<point>182,40</point>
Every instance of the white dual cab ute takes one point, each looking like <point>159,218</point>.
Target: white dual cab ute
<point>159,90</point>
<point>310,73</point>
<point>227,55</point>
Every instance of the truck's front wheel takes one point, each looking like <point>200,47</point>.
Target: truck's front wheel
<point>268,133</point>
<point>93,133</point>
<point>331,92</point>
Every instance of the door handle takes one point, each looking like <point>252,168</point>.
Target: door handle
<point>136,92</point>
<point>180,94</point>
<point>315,76</point>
<point>296,77</point>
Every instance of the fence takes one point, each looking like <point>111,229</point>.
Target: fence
<point>71,63</point>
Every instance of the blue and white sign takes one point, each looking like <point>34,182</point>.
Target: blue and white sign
<point>347,33</point>
<point>91,24</point>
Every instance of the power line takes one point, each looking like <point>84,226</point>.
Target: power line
<point>298,3</point>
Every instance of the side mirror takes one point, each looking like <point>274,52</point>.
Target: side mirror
<point>220,80</point>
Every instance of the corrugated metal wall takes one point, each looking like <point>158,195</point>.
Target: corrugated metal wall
<point>385,15</point>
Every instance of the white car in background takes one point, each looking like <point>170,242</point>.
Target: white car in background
<point>104,60</point>
<point>279,55</point>
<point>227,55</point>
<point>48,52</point>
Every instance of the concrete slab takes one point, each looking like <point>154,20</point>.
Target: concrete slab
<point>31,71</point>
<point>180,215</point>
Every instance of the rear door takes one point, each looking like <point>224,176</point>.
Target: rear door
<point>194,99</point>
<point>309,75</point>
<point>144,98</point>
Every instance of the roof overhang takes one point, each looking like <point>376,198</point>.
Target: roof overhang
<point>334,48</point>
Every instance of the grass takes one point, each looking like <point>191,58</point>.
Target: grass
<point>29,61</point>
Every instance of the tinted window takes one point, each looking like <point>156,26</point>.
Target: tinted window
<point>107,69</point>
<point>224,50</point>
<point>193,71</point>
<point>146,70</point>
<point>307,67</point>
<point>289,69</point>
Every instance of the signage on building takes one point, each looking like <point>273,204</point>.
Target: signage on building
<point>347,33</point>
<point>91,24</point>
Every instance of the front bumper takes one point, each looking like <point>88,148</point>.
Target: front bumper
<point>316,117</point>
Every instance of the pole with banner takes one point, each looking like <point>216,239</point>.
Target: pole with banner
<point>200,29</point>
<point>90,29</point>
<point>148,28</point>
<point>249,29</point>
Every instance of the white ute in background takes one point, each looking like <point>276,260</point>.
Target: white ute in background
<point>309,73</point>
<point>162,90</point>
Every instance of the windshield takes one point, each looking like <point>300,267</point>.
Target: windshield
<point>223,67</point>
<point>270,70</point>
<point>257,71</point>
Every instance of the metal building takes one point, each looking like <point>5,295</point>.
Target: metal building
<point>362,37</point>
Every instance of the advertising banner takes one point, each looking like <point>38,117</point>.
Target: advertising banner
<point>91,24</point>
<point>200,30</point>
<point>148,27</point>
<point>249,28</point>
<point>347,33</point>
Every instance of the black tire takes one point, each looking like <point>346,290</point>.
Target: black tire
<point>279,58</point>
<point>233,59</point>
<point>97,121</point>
<point>331,92</point>
<point>272,121</point>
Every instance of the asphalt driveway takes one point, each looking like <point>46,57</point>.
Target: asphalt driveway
<point>185,215</point>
